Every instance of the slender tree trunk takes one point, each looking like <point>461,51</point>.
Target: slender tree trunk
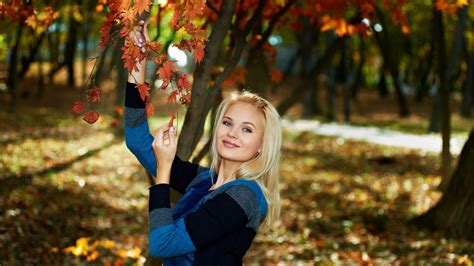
<point>331,95</point>
<point>467,109</point>
<point>34,49</point>
<point>402,104</point>
<point>71,43</point>
<point>311,105</point>
<point>344,81</point>
<point>40,90</point>
<point>382,86</point>
<point>12,69</point>
<point>444,100</point>
<point>85,51</point>
<point>359,72</point>
<point>454,213</point>
<point>299,91</point>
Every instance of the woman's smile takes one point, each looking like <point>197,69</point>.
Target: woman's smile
<point>229,144</point>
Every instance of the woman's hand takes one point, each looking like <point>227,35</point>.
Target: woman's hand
<point>164,146</point>
<point>139,36</point>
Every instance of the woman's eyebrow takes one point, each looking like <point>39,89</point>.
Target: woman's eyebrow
<point>245,122</point>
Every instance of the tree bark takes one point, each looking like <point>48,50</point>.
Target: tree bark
<point>71,43</point>
<point>467,109</point>
<point>12,69</point>
<point>331,95</point>
<point>444,100</point>
<point>196,114</point>
<point>454,213</point>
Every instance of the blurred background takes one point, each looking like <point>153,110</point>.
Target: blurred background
<point>376,99</point>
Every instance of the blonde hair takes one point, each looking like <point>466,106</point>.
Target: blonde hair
<point>264,168</point>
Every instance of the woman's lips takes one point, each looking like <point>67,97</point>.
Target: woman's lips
<point>229,144</point>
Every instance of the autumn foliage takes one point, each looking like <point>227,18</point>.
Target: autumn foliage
<point>121,18</point>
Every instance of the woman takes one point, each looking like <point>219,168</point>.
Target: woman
<point>222,206</point>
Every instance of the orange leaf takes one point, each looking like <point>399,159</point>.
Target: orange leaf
<point>175,20</point>
<point>150,110</point>
<point>172,96</point>
<point>164,85</point>
<point>183,82</point>
<point>199,53</point>
<point>166,71</point>
<point>142,5</point>
<point>128,16</point>
<point>441,5</point>
<point>143,89</point>
<point>91,117</point>
<point>171,122</point>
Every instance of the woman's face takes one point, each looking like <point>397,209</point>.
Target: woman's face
<point>240,133</point>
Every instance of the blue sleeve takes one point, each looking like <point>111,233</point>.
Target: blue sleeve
<point>139,141</point>
<point>219,216</point>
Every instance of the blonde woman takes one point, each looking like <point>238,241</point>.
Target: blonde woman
<point>224,205</point>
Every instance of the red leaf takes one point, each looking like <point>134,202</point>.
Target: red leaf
<point>172,96</point>
<point>183,82</point>
<point>77,108</point>
<point>142,5</point>
<point>164,85</point>
<point>171,122</point>
<point>143,89</point>
<point>91,117</point>
<point>199,53</point>
<point>93,95</point>
<point>166,71</point>
<point>150,110</point>
<point>276,76</point>
<point>175,20</point>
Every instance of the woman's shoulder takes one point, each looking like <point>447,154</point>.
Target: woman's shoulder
<point>250,197</point>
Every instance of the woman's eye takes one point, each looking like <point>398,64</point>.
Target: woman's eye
<point>226,123</point>
<point>248,130</point>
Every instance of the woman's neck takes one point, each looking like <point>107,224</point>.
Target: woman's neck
<point>227,171</point>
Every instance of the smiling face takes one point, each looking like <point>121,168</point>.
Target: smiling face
<point>239,135</point>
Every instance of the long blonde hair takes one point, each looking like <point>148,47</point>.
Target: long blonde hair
<point>264,168</point>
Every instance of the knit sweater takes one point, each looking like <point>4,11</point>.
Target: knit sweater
<point>203,227</point>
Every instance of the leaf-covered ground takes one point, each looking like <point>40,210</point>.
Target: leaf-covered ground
<point>73,194</point>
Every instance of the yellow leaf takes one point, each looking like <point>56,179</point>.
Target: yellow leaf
<point>108,244</point>
<point>122,253</point>
<point>464,260</point>
<point>32,21</point>
<point>93,256</point>
<point>461,3</point>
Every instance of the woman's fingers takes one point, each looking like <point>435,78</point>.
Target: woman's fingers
<point>172,136</point>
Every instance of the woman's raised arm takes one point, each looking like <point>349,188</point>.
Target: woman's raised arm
<point>137,133</point>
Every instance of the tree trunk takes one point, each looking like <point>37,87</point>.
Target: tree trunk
<point>402,104</point>
<point>467,109</point>
<point>34,49</point>
<point>196,114</point>
<point>444,100</point>
<point>454,213</point>
<point>311,104</point>
<point>359,71</point>
<point>456,50</point>
<point>299,91</point>
<point>12,69</point>
<point>382,86</point>
<point>331,95</point>
<point>71,43</point>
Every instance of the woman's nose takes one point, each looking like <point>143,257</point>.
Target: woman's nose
<point>231,133</point>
